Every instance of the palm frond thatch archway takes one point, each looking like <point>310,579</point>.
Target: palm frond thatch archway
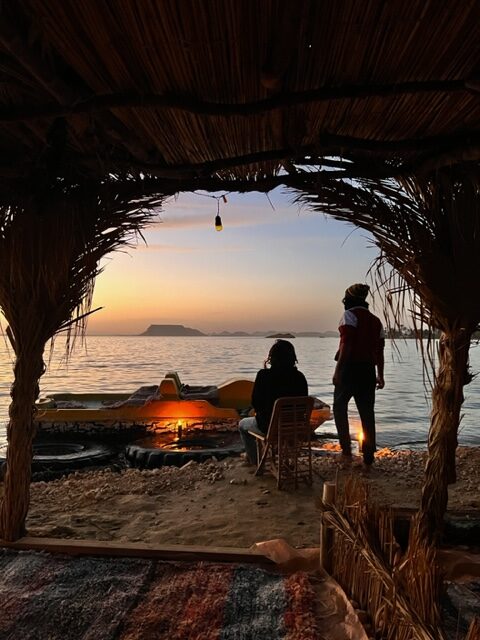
<point>428,230</point>
<point>51,242</point>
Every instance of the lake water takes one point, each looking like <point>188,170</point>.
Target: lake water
<point>124,363</point>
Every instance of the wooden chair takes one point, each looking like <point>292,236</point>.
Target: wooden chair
<point>289,435</point>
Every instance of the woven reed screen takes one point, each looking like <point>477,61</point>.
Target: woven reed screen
<point>399,590</point>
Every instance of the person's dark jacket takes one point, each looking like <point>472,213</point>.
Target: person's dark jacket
<point>274,383</point>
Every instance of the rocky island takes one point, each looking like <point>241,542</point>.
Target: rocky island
<point>180,330</point>
<point>171,330</point>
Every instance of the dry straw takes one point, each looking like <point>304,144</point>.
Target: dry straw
<point>427,229</point>
<point>51,246</point>
<point>474,630</point>
<point>399,590</point>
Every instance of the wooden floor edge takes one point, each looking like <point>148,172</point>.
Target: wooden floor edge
<point>138,550</point>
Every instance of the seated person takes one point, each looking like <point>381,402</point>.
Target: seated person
<point>281,379</point>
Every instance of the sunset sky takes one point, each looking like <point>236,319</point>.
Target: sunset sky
<point>282,269</point>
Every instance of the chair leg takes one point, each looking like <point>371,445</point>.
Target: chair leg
<point>279,468</point>
<point>284,462</point>
<point>261,460</point>
<point>291,469</point>
<point>260,448</point>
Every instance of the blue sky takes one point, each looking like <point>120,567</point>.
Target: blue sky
<point>269,269</point>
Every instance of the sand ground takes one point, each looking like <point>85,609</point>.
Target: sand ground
<point>222,503</point>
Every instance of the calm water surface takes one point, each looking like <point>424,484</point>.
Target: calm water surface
<point>123,363</point>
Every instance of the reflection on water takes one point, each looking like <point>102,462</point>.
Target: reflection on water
<point>113,364</point>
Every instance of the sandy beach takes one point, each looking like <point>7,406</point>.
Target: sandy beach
<point>222,503</point>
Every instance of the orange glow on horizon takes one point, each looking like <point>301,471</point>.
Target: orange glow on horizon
<point>135,291</point>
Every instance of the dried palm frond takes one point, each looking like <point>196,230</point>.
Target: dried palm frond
<point>50,254</point>
<point>474,629</point>
<point>400,592</point>
<point>428,231</point>
<point>51,243</point>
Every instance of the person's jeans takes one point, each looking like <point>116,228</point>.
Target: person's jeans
<point>249,442</point>
<point>358,381</point>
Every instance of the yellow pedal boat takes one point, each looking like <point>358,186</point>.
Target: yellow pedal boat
<point>170,402</point>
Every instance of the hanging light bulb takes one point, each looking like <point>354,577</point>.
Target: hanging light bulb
<point>218,220</point>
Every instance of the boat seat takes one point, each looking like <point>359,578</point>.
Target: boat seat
<point>169,389</point>
<point>69,404</point>
<point>174,375</point>
<point>138,398</point>
<point>187,391</point>
<point>209,393</point>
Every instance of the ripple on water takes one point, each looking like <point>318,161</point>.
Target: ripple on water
<point>124,363</point>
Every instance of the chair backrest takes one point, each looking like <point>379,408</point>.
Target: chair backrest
<point>291,418</point>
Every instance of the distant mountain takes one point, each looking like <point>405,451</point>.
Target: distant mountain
<point>171,330</point>
<point>310,334</point>
<point>241,334</point>
<point>180,330</point>
<point>276,334</point>
<point>304,334</point>
<point>230,334</point>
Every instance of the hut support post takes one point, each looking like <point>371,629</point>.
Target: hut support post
<point>326,533</point>
<point>447,399</point>
<point>53,239</point>
<point>29,367</point>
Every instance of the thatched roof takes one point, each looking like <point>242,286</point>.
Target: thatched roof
<point>185,88</point>
<point>106,106</point>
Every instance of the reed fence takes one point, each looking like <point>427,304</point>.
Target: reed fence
<point>399,589</point>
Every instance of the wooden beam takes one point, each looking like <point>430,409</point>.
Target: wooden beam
<point>329,497</point>
<point>203,169</point>
<point>314,155</point>
<point>174,552</point>
<point>152,185</point>
<point>451,157</point>
<point>307,155</point>
<point>192,105</point>
<point>432,153</point>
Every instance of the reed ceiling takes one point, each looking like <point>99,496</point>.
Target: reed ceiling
<point>237,89</point>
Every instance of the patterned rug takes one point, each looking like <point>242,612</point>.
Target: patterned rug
<point>52,597</point>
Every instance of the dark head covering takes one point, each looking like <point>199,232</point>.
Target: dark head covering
<point>282,355</point>
<point>358,290</point>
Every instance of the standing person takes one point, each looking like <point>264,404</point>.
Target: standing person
<point>279,378</point>
<point>359,370</point>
